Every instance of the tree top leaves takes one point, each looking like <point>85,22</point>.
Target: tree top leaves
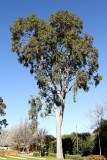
<point>60,55</point>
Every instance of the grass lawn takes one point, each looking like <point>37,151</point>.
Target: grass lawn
<point>25,158</point>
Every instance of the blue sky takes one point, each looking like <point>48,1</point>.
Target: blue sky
<point>16,83</point>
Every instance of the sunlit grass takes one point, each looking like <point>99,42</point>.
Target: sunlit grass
<point>51,158</point>
<point>25,158</point>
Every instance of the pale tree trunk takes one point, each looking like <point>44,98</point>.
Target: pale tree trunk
<point>59,139</point>
<point>59,119</point>
<point>27,150</point>
<point>99,143</point>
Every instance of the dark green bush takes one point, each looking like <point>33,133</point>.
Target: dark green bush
<point>95,157</point>
<point>36,154</point>
<point>74,157</point>
<point>52,154</point>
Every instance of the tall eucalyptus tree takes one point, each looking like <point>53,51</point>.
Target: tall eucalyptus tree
<point>61,57</point>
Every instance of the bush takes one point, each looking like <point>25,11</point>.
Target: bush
<point>52,154</point>
<point>95,157</point>
<point>36,154</point>
<point>74,157</point>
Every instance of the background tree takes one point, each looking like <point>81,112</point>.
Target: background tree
<point>40,136</point>
<point>52,147</point>
<point>33,112</point>
<point>67,144</point>
<point>15,138</point>
<point>85,144</point>
<point>61,57</point>
<point>20,136</point>
<point>103,138</point>
<point>96,116</point>
<point>2,113</point>
<point>48,139</point>
<point>4,138</point>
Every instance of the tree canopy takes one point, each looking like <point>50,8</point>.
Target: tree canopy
<point>59,53</point>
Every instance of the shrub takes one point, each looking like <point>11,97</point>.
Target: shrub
<point>95,157</point>
<point>74,157</point>
<point>52,154</point>
<point>36,154</point>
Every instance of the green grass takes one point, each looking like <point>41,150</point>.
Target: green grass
<point>26,158</point>
<point>51,158</point>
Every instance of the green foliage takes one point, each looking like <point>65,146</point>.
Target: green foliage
<point>36,106</point>
<point>59,54</point>
<point>52,147</point>
<point>48,146</point>
<point>95,157</point>
<point>85,144</point>
<point>67,144</point>
<point>2,113</point>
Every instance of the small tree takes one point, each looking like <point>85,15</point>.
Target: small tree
<point>39,137</point>
<point>61,57</point>
<point>2,113</point>
<point>4,138</point>
<point>103,138</point>
<point>20,136</point>
<point>97,115</point>
<point>15,138</point>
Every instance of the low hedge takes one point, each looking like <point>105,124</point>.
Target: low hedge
<point>74,157</point>
<point>52,154</point>
<point>9,153</point>
<point>36,154</point>
<point>95,157</point>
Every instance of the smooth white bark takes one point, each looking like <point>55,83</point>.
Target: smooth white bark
<point>59,119</point>
<point>59,139</point>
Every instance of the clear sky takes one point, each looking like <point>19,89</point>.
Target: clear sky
<point>16,83</point>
